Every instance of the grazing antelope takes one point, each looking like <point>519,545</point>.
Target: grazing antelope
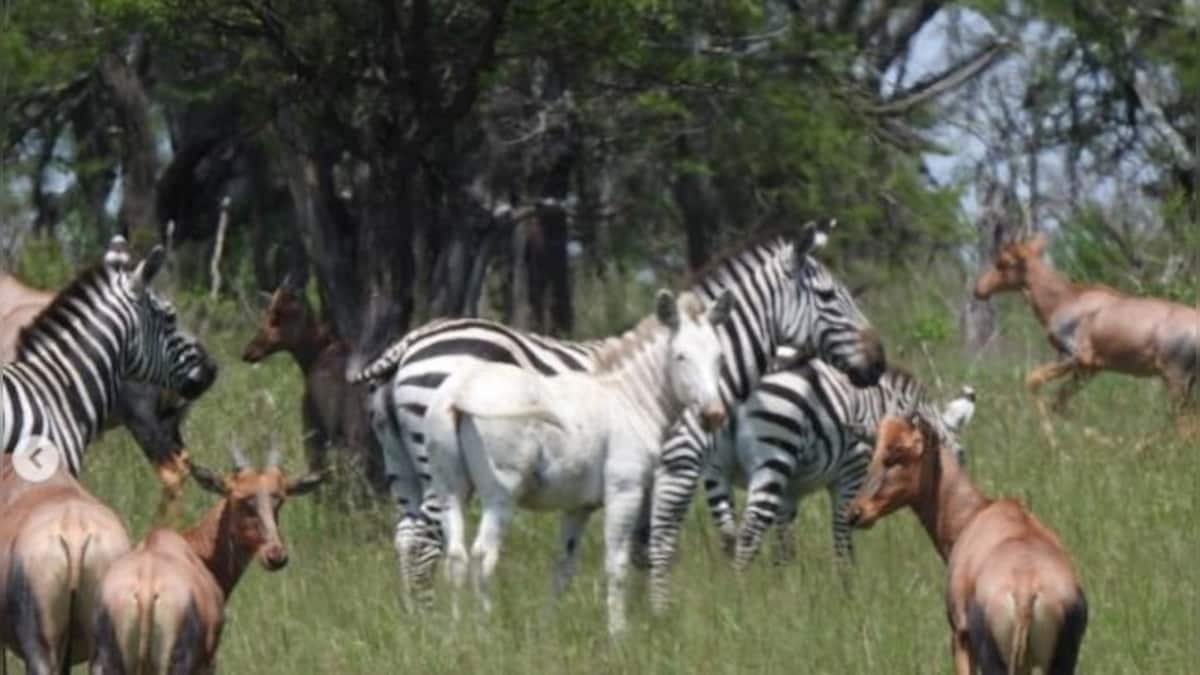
<point>56,542</point>
<point>334,411</point>
<point>1094,327</point>
<point>1012,597</point>
<point>161,608</point>
<point>153,414</point>
<point>575,442</point>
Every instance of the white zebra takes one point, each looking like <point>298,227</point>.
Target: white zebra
<point>576,441</point>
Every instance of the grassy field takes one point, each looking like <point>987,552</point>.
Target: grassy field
<point>1121,491</point>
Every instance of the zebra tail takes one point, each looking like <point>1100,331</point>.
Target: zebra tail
<point>383,364</point>
<point>534,412</point>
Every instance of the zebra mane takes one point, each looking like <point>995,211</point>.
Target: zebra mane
<point>764,243</point>
<point>616,349</point>
<point>78,289</point>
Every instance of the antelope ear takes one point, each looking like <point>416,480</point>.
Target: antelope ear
<point>929,435</point>
<point>666,309</point>
<point>1038,244</point>
<point>720,312</point>
<point>306,484</point>
<point>146,270</point>
<point>208,479</point>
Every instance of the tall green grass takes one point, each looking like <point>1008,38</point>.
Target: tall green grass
<point>1121,491</point>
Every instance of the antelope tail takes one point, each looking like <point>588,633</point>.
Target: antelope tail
<point>1022,622</point>
<point>145,639</point>
<point>74,576</point>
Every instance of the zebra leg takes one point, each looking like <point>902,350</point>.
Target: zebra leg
<point>674,484</point>
<point>621,505</point>
<point>718,490</point>
<point>719,493</point>
<point>785,539</point>
<point>640,556</point>
<point>765,495</point>
<point>454,531</point>
<point>416,541</point>
<point>485,552</point>
<point>849,480</point>
<point>570,530</point>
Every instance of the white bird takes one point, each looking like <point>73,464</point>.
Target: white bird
<point>959,411</point>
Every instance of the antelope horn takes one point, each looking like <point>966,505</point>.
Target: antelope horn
<point>239,456</point>
<point>274,455</point>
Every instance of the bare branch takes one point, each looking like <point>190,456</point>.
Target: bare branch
<point>943,82</point>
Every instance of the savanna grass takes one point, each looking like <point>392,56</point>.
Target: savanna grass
<point>1121,491</point>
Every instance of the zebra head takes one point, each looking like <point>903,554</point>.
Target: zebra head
<point>158,352</point>
<point>694,352</point>
<point>829,323</point>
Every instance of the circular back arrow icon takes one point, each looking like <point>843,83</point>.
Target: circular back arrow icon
<point>36,459</point>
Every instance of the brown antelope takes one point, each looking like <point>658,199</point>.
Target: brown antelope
<point>151,414</point>
<point>1012,597</point>
<point>56,542</point>
<point>1094,327</point>
<point>334,411</point>
<point>161,607</point>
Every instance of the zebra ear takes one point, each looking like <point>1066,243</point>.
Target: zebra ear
<point>146,270</point>
<point>720,312</point>
<point>117,255</point>
<point>806,242</point>
<point>666,309</point>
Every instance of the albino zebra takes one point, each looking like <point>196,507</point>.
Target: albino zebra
<point>576,441</point>
<point>105,327</point>
<point>784,297</point>
<point>799,431</point>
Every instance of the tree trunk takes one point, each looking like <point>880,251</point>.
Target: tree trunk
<point>995,226</point>
<point>139,165</point>
<point>385,260</point>
<point>697,205</point>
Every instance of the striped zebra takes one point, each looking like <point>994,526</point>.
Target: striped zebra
<point>783,296</point>
<point>105,327</point>
<point>799,431</point>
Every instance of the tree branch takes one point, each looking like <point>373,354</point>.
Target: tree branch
<point>945,81</point>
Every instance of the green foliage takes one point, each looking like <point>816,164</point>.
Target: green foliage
<point>931,327</point>
<point>1089,248</point>
<point>43,265</point>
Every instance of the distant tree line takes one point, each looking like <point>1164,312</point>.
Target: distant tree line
<point>399,150</point>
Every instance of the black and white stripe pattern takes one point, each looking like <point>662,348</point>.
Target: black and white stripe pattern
<point>782,297</point>
<point>799,431</point>
<point>104,327</point>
